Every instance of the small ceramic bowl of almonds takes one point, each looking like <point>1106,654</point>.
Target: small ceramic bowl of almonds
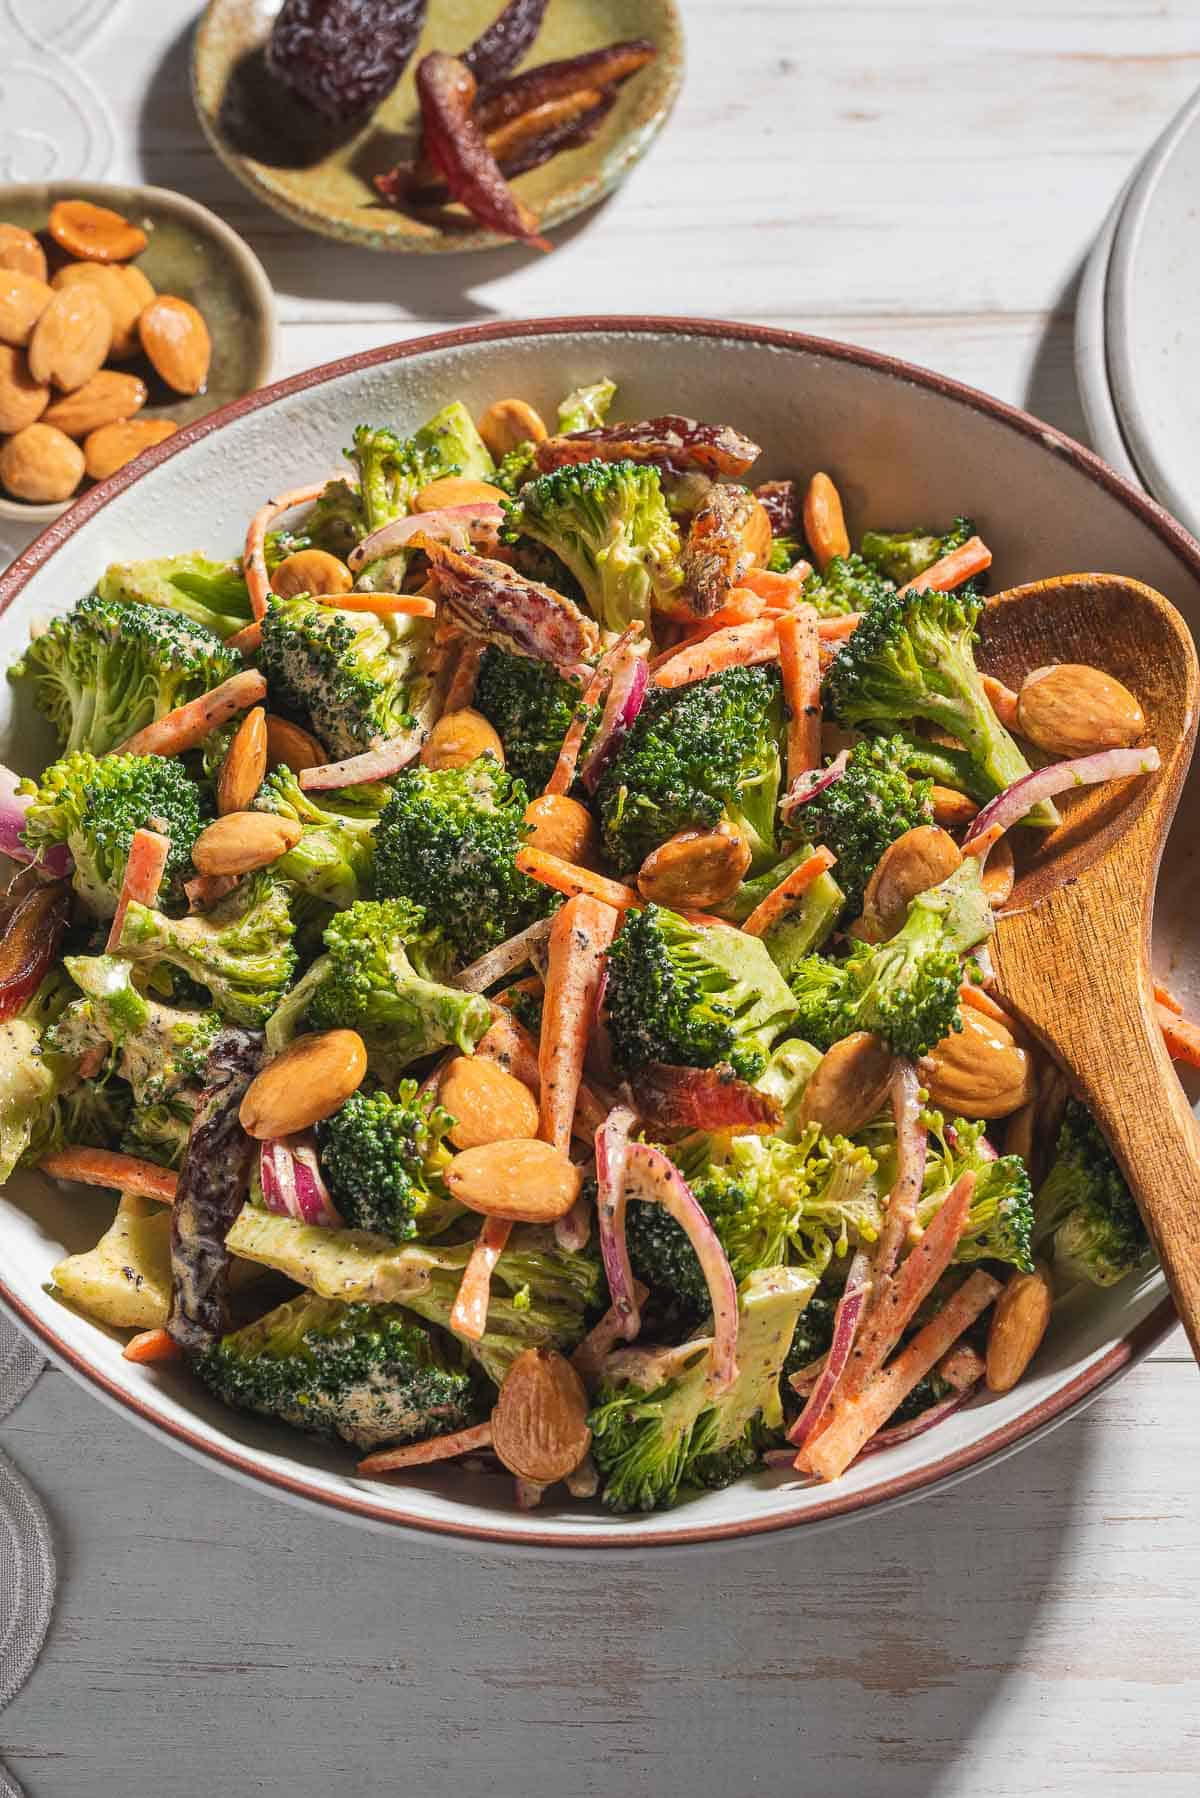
<point>124,314</point>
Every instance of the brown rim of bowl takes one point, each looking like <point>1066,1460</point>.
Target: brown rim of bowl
<point>1085,1386</point>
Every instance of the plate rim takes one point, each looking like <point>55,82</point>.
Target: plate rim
<point>1091,346</point>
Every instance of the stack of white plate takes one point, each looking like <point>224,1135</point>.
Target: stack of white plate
<point>1137,328</point>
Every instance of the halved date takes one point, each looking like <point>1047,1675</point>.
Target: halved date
<point>518,145</point>
<point>33,931</point>
<point>457,148</point>
<point>678,1098</point>
<point>781,503</point>
<point>489,599</point>
<point>670,440</point>
<point>715,554</point>
<point>499,101</point>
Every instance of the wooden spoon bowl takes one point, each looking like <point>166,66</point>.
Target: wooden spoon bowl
<point>1072,945</point>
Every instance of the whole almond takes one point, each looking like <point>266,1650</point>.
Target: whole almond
<point>539,1424</point>
<point>697,867</point>
<point>176,339</point>
<point>458,738</point>
<point>562,826</point>
<point>312,1079</point>
<point>1019,1322</point>
<point>311,571</point>
<point>112,446</point>
<point>950,809</point>
<point>245,764</point>
<point>71,338</point>
<point>94,233</point>
<point>242,841</point>
<point>848,1086</point>
<point>104,400</point>
<point>527,1181</point>
<point>486,1103</point>
<point>290,747</point>
<point>125,291</point>
<point>21,250</point>
<point>1073,709</point>
<point>40,464</point>
<point>507,423</point>
<point>22,399</point>
<point>999,873</point>
<point>980,1071</point>
<point>23,299</point>
<point>919,859</point>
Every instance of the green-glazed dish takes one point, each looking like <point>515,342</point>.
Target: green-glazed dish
<point>284,156</point>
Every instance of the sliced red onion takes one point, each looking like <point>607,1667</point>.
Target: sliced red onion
<point>806,786</point>
<point>589,1357</point>
<point>456,525</point>
<point>292,1184</point>
<point>503,959</point>
<point>783,1458</point>
<point>612,1151</point>
<point>626,696</point>
<point>380,763</point>
<point>653,1176</point>
<point>846,1320</point>
<point>56,859</point>
<point>916,1426</point>
<point>911,1149</point>
<point>1009,807</point>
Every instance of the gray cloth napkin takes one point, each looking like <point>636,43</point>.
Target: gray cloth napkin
<point>26,1552</point>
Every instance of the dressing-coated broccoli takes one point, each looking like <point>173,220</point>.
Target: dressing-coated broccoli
<point>332,860</point>
<point>110,667</point>
<point>157,1048</point>
<point>1085,1208</point>
<point>585,407</point>
<point>1000,1222</point>
<point>160,1132</point>
<point>384,1159</point>
<point>530,705</point>
<point>785,553</point>
<point>693,995</point>
<point>210,593</point>
<point>354,677</point>
<point>903,555</point>
<point>94,807</point>
<point>42,1104</point>
<point>806,925</point>
<point>846,584</point>
<point>241,950</point>
<point>861,814</point>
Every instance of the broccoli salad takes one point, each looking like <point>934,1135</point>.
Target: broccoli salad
<point>514,940</point>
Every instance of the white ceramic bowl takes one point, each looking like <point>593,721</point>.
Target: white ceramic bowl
<point>905,447</point>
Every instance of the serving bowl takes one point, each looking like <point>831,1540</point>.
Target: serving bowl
<point>904,446</point>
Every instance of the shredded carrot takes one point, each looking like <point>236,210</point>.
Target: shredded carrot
<point>836,630</point>
<point>784,590</point>
<point>407,605</point>
<point>570,878</point>
<point>1181,1037</point>
<point>824,521</point>
<point>434,1448</point>
<point>780,899</point>
<point>962,1367</point>
<point>579,939</point>
<point>742,607</point>
<point>1166,997</point>
<point>972,558</point>
<point>248,639</point>
<point>468,1315</point>
<point>106,1167</point>
<point>1003,701</point>
<point>189,724</point>
<point>737,646</point>
<point>510,1046</point>
<point>562,775</point>
<point>149,1346</point>
<point>144,867</point>
<point>983,844</point>
<point>254,560</point>
<point>800,663</point>
<point>982,1001</point>
<point>461,691</point>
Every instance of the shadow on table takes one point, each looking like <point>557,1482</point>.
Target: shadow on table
<point>1052,392</point>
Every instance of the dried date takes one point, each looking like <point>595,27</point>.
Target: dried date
<point>671,441</point>
<point>489,599</point>
<point>341,57</point>
<point>457,148</point>
<point>609,67</point>
<point>781,503</point>
<point>715,555</point>
<point>505,41</point>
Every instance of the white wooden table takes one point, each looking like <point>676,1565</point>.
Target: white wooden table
<point>924,176</point>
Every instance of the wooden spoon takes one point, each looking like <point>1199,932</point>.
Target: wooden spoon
<point>1072,946</point>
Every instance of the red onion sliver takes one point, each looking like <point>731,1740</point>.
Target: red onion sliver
<point>503,959</point>
<point>846,1320</point>
<point>379,763</point>
<point>626,696</point>
<point>985,1150</point>
<point>806,786</point>
<point>1009,807</point>
<point>456,525</point>
<point>56,859</point>
<point>653,1176</point>
<point>612,1150</point>
<point>292,1184</point>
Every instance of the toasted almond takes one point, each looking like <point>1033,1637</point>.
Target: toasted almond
<point>561,826</point>
<point>23,299</point>
<point>1019,1321</point>
<point>1073,709</point>
<point>40,464</point>
<point>458,738</point>
<point>290,747</point>
<point>849,1085</point>
<point>125,291</point>
<point>539,1424</point>
<point>527,1181</point>
<point>176,339</point>
<point>312,1079</point>
<point>487,1104</point>
<point>950,809</point>
<point>824,523</point>
<point>239,842</point>
<point>999,873</point>
<point>107,398</point>
<point>507,424</point>
<point>245,764</point>
<point>311,571</point>
<point>698,868</point>
<point>94,233</point>
<point>112,446</point>
<point>21,250</point>
<point>919,859</point>
<point>22,399</point>
<point>457,490</point>
<point>980,1071</point>
<point>71,339</point>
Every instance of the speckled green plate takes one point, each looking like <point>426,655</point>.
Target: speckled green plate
<point>278,150</point>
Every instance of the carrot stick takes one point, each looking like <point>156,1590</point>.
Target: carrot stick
<point>1181,1037</point>
<point>468,1315</point>
<point>971,558</point>
<point>781,898</point>
<point>1003,701</point>
<point>461,691</point>
<point>511,1047</point>
<point>434,1448</point>
<point>737,646</point>
<point>254,560</point>
<point>149,1346</point>
<point>189,724</point>
<point>824,521</point>
<point>568,877</point>
<point>562,775</point>
<point>407,605</point>
<point>962,1368</point>
<point>248,639</point>
<point>836,630</point>
<point>144,867</point>
<point>579,939</point>
<point>742,607</point>
<point>777,589</point>
<point>856,1419</point>
<point>800,662</point>
<point>1166,997</point>
<point>982,1001</point>
<point>105,1167</point>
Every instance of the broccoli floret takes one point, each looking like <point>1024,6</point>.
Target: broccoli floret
<point>648,1445</point>
<point>241,950</point>
<point>94,807</point>
<point>1000,1221</point>
<point>452,437</point>
<point>912,657</point>
<point>210,593</point>
<point>156,1048</point>
<point>384,1160</point>
<point>806,925</point>
<point>694,996</point>
<point>1085,1207</point>
<point>160,1132</point>
<point>906,990</point>
<point>609,523</point>
<point>846,584</point>
<point>585,407</point>
<point>384,971</point>
<point>531,705</point>
<point>785,553</point>
<point>515,468</point>
<point>696,754</point>
<point>448,841</point>
<point>367,1373</point>
<point>903,555</point>
<point>354,677</point>
<point>332,860</point>
<point>111,667</point>
<point>861,814</point>
<point>940,763</point>
<point>42,1104</point>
